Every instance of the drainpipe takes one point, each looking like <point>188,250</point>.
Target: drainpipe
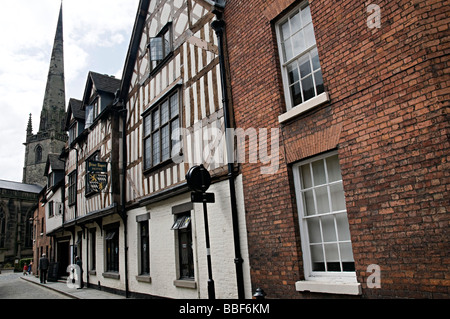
<point>219,27</point>
<point>123,213</point>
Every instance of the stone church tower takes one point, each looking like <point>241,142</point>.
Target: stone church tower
<point>51,136</point>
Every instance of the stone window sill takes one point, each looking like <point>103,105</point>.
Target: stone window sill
<point>111,275</point>
<point>185,284</point>
<point>144,278</point>
<point>329,287</point>
<point>299,109</point>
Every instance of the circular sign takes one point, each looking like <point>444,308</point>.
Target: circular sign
<point>198,179</point>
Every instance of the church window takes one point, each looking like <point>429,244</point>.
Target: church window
<point>2,228</point>
<point>38,153</point>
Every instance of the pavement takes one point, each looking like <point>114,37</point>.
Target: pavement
<point>63,288</point>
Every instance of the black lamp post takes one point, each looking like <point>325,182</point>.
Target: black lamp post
<point>199,180</point>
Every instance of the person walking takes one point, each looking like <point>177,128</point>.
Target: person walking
<point>43,268</point>
<point>29,267</point>
<point>25,270</point>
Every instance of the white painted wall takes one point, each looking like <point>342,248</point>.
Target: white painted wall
<point>163,256</point>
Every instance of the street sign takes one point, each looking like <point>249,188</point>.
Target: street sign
<point>198,179</point>
<point>202,197</point>
<point>97,167</point>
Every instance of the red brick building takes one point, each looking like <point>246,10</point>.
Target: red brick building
<point>359,205</point>
<point>42,244</point>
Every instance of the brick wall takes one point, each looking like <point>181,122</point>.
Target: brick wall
<point>388,116</point>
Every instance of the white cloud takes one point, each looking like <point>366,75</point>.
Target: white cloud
<point>96,37</point>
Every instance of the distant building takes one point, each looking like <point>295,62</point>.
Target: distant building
<point>19,226</point>
<point>17,205</point>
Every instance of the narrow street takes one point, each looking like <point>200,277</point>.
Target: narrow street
<point>12,287</point>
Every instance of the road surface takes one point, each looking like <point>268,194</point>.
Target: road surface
<point>12,287</point>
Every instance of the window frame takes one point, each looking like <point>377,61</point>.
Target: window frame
<point>183,227</point>
<point>149,164</point>
<point>72,189</point>
<point>51,209</point>
<point>3,228</point>
<point>144,257</point>
<point>93,249</point>
<point>310,274</point>
<point>318,98</point>
<point>155,65</point>
<point>111,240</point>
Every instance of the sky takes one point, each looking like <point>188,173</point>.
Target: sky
<point>96,38</point>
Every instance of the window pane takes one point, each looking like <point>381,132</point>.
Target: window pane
<point>295,22</point>
<point>298,41</point>
<point>346,251</point>
<point>314,231</point>
<point>296,94</point>
<point>308,88</point>
<point>167,47</point>
<point>155,116</point>
<point>165,143</point>
<point>306,177</point>
<point>285,30</point>
<point>148,153</point>
<point>164,112</point>
<point>287,48</point>
<point>333,169</point>
<point>328,228</point>
<point>156,49</point>
<point>319,173</point>
<point>293,73</point>
<point>319,82</point>
<point>337,197</point>
<point>156,149</point>
<point>174,109</point>
<point>331,252</point>
<point>308,201</point>
<point>305,66</point>
<point>343,227</point>
<point>147,126</point>
<point>323,205</point>
<point>306,16</point>
<point>308,32</point>
<point>317,258</point>
<point>315,59</point>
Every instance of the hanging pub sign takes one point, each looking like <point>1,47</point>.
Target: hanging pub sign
<point>97,167</point>
<point>97,176</point>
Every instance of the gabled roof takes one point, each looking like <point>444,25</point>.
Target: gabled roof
<point>74,109</point>
<point>133,48</point>
<point>102,83</point>
<point>55,163</point>
<point>105,83</point>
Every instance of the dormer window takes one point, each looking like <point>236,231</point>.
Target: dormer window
<point>50,180</point>
<point>73,132</point>
<point>160,47</point>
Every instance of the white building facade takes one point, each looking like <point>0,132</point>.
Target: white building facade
<point>172,91</point>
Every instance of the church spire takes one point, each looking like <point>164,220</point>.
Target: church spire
<point>54,106</point>
<point>51,137</point>
<point>30,126</point>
